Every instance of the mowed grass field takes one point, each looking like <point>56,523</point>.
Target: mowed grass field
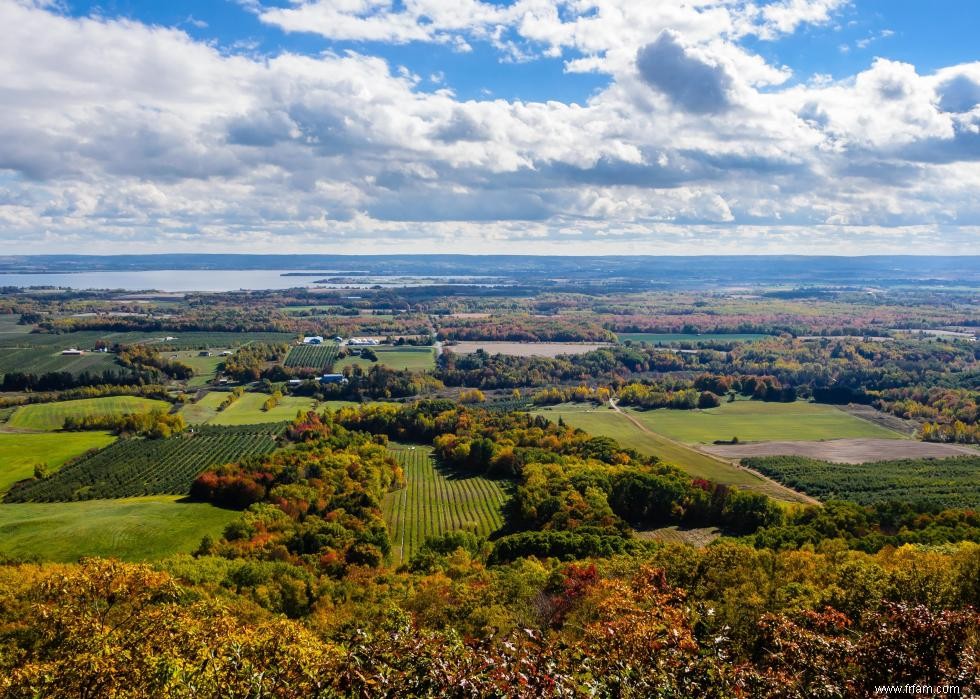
<point>412,358</point>
<point>51,416</point>
<point>247,410</point>
<point>19,453</point>
<point>132,529</point>
<point>204,367</point>
<point>603,422</point>
<point>758,421</point>
<point>435,502</point>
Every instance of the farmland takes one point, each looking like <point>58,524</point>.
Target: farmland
<point>247,410</point>
<point>20,453</point>
<point>951,482</point>
<point>135,467</point>
<point>320,357</point>
<point>42,360</point>
<point>758,421</point>
<point>435,501</point>
<point>411,358</point>
<point>51,416</point>
<point>844,451</point>
<point>678,338</point>
<point>133,529</point>
<point>608,423</point>
<point>526,349</point>
<point>204,368</point>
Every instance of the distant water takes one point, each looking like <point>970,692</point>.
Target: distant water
<point>200,280</point>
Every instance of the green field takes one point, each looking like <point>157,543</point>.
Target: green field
<point>247,410</point>
<point>132,529</point>
<point>51,416</point>
<point>319,357</point>
<point>412,358</point>
<point>675,338</point>
<point>19,453</point>
<point>608,423</point>
<point>950,482</point>
<point>137,467</point>
<point>435,501</point>
<point>204,368</point>
<point>758,421</point>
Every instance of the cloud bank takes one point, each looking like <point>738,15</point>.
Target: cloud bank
<point>117,136</point>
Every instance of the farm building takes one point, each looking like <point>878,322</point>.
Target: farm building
<point>72,351</point>
<point>314,340</point>
<point>333,378</point>
<point>226,353</point>
<point>203,353</point>
<point>295,382</point>
<point>363,341</point>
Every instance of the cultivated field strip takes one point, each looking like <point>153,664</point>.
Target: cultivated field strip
<point>136,467</point>
<point>320,357</point>
<point>434,502</point>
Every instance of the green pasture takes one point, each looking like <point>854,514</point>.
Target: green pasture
<point>51,416</point>
<point>247,410</point>
<point>132,529</point>
<point>605,422</point>
<point>758,421</point>
<point>20,452</point>
<point>412,358</point>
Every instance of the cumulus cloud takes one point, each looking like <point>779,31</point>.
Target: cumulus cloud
<point>687,79</point>
<point>960,93</point>
<point>151,139</point>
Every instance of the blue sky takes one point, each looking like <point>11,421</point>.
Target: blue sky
<point>816,126</point>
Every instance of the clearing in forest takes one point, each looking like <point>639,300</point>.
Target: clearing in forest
<point>435,501</point>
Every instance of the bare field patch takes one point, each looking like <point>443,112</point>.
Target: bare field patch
<point>886,420</point>
<point>699,537</point>
<point>843,451</point>
<point>528,349</point>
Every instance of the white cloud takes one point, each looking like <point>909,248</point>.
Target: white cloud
<point>152,139</point>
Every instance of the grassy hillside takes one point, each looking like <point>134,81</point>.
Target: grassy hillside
<point>51,416</point>
<point>435,501</point>
<point>133,529</point>
<point>19,453</point>
<point>757,421</point>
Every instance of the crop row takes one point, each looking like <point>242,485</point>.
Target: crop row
<point>135,467</point>
<point>434,502</point>
<point>320,357</point>
<point>949,482</point>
